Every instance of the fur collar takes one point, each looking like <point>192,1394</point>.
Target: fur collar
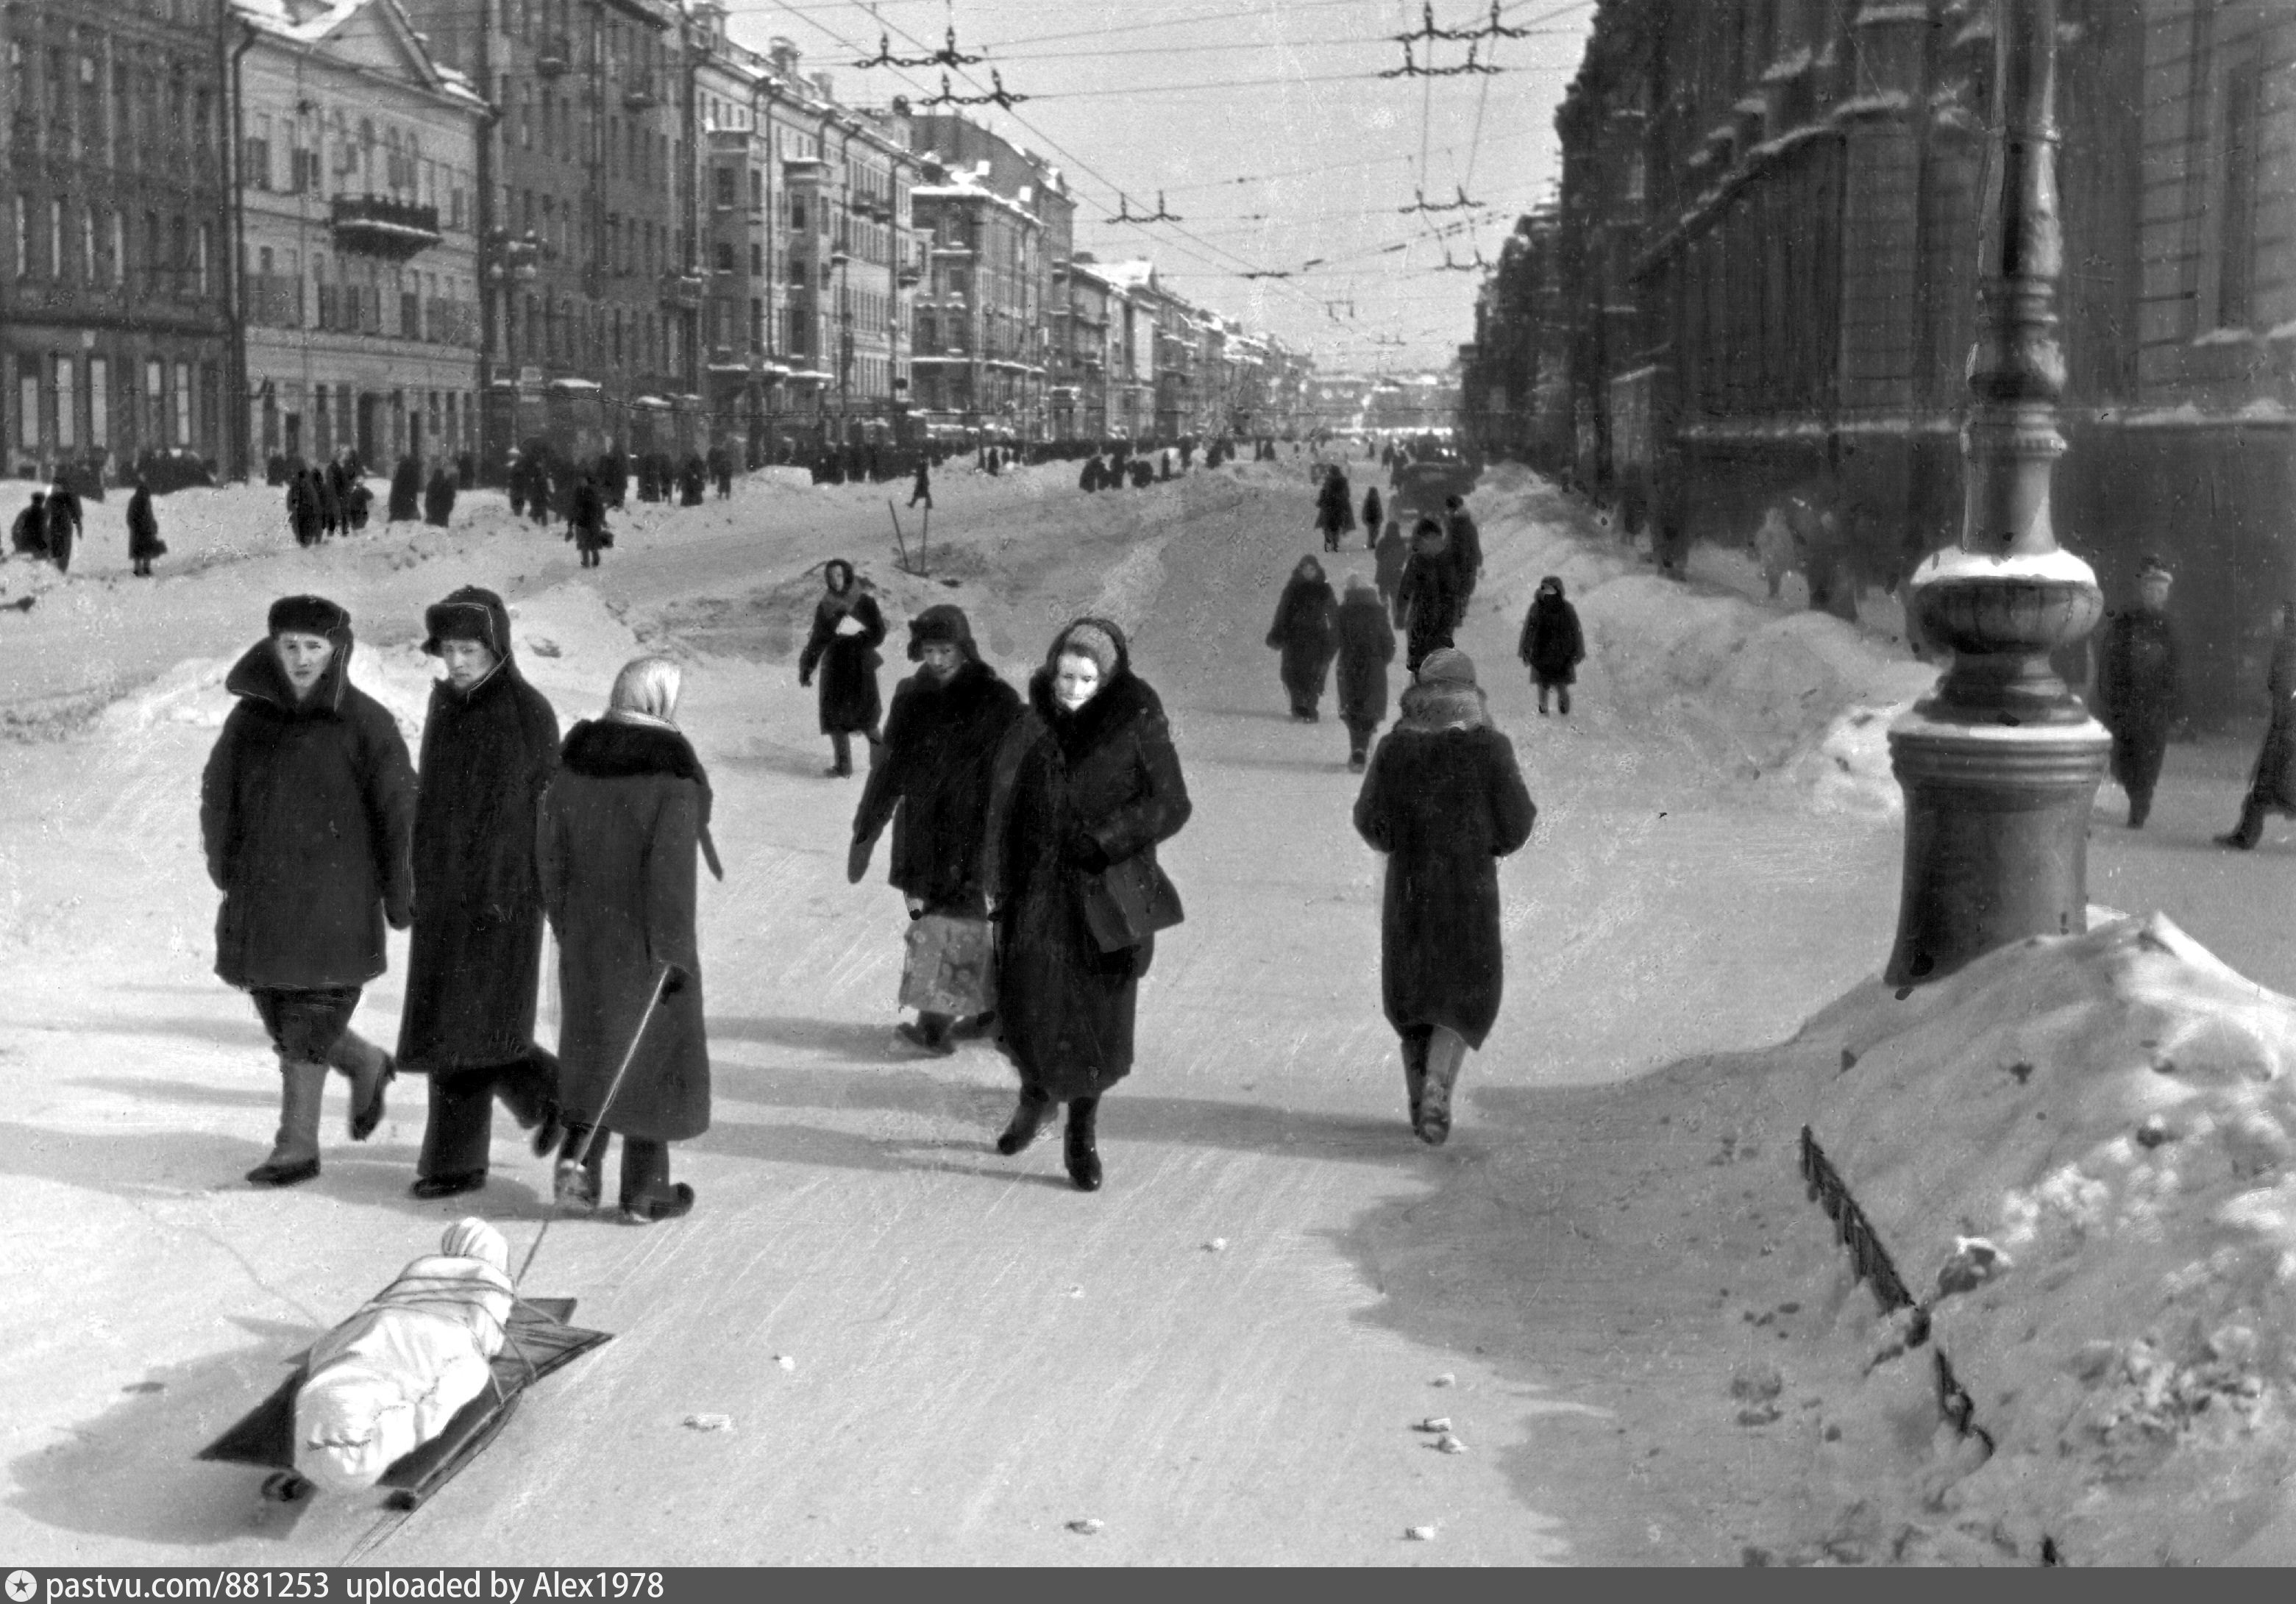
<point>1123,701</point>
<point>973,685</point>
<point>604,749</point>
<point>258,677</point>
<point>1431,709</point>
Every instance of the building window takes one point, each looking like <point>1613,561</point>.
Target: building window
<point>67,403</point>
<point>55,238</point>
<point>257,157</point>
<point>207,250</point>
<point>99,403</point>
<point>2236,227</point>
<point>183,407</point>
<point>28,404</point>
<point>23,220</point>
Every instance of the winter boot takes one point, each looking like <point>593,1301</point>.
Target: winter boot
<point>930,1031</point>
<point>581,1173</point>
<point>295,1149</point>
<point>370,1070</point>
<point>1414,1073</point>
<point>1083,1156</point>
<point>840,746</point>
<point>1446,1051</point>
<point>1028,1117</point>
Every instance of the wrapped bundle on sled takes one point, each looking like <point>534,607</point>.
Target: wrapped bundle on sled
<point>407,1389</point>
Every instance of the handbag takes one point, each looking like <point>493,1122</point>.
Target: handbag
<point>949,966</point>
<point>1127,901</point>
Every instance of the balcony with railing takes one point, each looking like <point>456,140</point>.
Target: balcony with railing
<point>383,225</point>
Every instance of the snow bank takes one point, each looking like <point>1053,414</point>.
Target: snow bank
<point>2081,1155</point>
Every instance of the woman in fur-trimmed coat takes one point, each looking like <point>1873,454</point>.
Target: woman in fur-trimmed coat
<point>1302,632</point>
<point>1087,784</point>
<point>847,631</point>
<point>1367,647</point>
<point>1445,801</point>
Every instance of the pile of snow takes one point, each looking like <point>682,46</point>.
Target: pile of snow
<point>2081,1154</point>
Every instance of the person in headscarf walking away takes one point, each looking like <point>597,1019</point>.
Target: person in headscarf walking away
<point>1335,512</point>
<point>2138,697</point>
<point>1375,517</point>
<point>931,780</point>
<point>1302,632</point>
<point>307,811</point>
<point>145,546</point>
<point>847,631</point>
<point>621,822</point>
<point>1392,555</point>
<point>1445,801</point>
<point>1427,603</point>
<point>1367,644</point>
<point>1087,783</point>
<point>586,523</point>
<point>489,746</point>
<point>2272,787</point>
<point>1551,646</point>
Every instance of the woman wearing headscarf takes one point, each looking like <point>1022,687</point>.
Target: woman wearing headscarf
<point>1335,512</point>
<point>620,824</point>
<point>1374,517</point>
<point>1445,801</point>
<point>847,631</point>
<point>145,546</point>
<point>1302,632</point>
<point>1367,647</point>
<point>1428,600</point>
<point>1086,783</point>
<point>1552,645</point>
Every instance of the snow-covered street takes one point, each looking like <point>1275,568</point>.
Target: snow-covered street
<point>1610,1283</point>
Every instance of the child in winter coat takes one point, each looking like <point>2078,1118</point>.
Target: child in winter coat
<point>1552,645</point>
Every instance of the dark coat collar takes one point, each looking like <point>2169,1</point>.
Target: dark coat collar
<point>258,676</point>
<point>1433,709</point>
<point>974,682</point>
<point>604,749</point>
<point>1122,702</point>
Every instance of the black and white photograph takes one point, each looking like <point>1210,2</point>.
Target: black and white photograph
<point>1141,784</point>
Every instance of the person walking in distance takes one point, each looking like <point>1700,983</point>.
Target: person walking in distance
<point>1366,645</point>
<point>1428,602</point>
<point>1374,517</point>
<point>1087,783</point>
<point>145,546</point>
<point>1551,646</point>
<point>1302,633</point>
<point>1466,548</point>
<point>489,746</point>
<point>585,521</point>
<point>620,824</point>
<point>2272,787</point>
<point>931,780</point>
<point>921,490</point>
<point>2138,694</point>
<point>1335,512</point>
<point>30,537</point>
<point>307,811</point>
<point>1444,800</point>
<point>847,631</point>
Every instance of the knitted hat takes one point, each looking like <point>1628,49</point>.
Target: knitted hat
<point>941,625</point>
<point>306,615</point>
<point>468,614</point>
<point>1445,666</point>
<point>1085,638</point>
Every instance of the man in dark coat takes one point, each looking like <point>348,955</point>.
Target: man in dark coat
<point>307,810</point>
<point>302,508</point>
<point>405,505</point>
<point>145,546</point>
<point>514,484</point>
<point>1302,633</point>
<point>1428,605</point>
<point>1445,801</point>
<point>489,746</point>
<point>30,537</point>
<point>847,628</point>
<point>922,491</point>
<point>2272,787</point>
<point>1466,547</point>
<point>439,498</point>
<point>2138,697</point>
<point>931,780</point>
<point>1366,646</point>
<point>692,482</point>
<point>721,469</point>
<point>1374,516</point>
<point>1089,477</point>
<point>1551,646</point>
<point>356,499</point>
<point>1335,512</point>
<point>64,526</point>
<point>1393,555</point>
<point>586,524</point>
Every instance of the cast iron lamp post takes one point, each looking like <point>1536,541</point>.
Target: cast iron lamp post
<point>2000,764</point>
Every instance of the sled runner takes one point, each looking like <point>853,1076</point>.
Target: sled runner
<point>537,1341</point>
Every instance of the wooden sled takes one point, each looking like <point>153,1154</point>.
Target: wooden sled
<point>537,1341</point>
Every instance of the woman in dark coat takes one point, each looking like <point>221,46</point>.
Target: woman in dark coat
<point>1445,801</point>
<point>439,498</point>
<point>692,481</point>
<point>1367,647</point>
<point>847,631</point>
<point>1302,632</point>
<point>303,507</point>
<point>1087,783</point>
<point>405,505</point>
<point>2272,787</point>
<point>1552,645</point>
<point>1428,601</point>
<point>586,523</point>
<point>1394,554</point>
<point>621,822</point>
<point>1374,517</point>
<point>145,546</point>
<point>489,746</point>
<point>1335,512</point>
<point>931,780</point>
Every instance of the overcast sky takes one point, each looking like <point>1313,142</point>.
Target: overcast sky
<point>1269,132</point>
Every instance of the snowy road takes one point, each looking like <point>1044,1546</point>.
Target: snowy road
<point>977,1355</point>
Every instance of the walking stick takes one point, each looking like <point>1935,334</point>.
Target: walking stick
<point>898,540</point>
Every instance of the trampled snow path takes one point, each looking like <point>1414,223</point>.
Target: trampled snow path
<point>981,1356</point>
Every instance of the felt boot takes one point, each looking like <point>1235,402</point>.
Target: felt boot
<point>1028,1117</point>
<point>1083,1155</point>
<point>370,1070</point>
<point>295,1149</point>
<point>1414,1073</point>
<point>1446,1050</point>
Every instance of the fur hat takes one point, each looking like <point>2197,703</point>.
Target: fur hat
<point>468,614</point>
<point>2148,564</point>
<point>943,624</point>
<point>1445,666</point>
<point>1357,582</point>
<point>1087,638</point>
<point>307,615</point>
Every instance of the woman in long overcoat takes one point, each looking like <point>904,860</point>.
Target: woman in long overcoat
<point>1552,645</point>
<point>586,523</point>
<point>406,503</point>
<point>1428,600</point>
<point>1445,801</point>
<point>620,824</point>
<point>1335,512</point>
<point>2272,786</point>
<point>439,498</point>
<point>1087,783</point>
<point>489,746</point>
<point>847,631</point>
<point>931,780</point>
<point>1394,555</point>
<point>1302,632</point>
<point>1374,515</point>
<point>1367,647</point>
<point>145,546</point>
